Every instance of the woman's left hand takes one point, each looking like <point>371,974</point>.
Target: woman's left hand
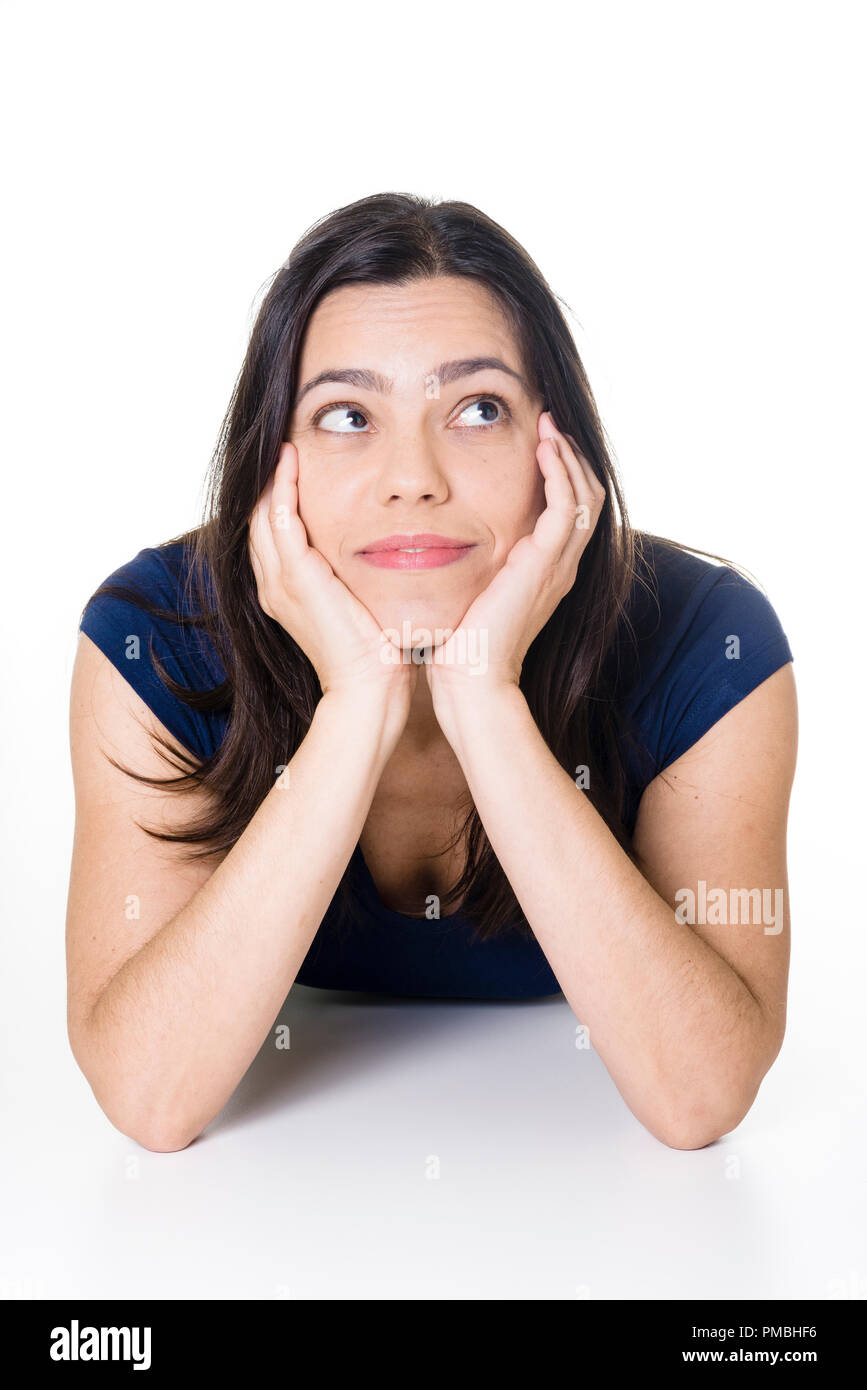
<point>489,647</point>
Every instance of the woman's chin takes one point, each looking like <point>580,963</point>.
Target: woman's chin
<point>418,624</point>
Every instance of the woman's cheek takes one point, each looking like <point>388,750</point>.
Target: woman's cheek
<point>519,518</point>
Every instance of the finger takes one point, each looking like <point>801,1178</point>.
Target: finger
<point>259,576</point>
<point>553,530</point>
<point>261,532</point>
<point>574,458</point>
<point>287,528</point>
<point>597,485</point>
<point>578,466</point>
<point>260,545</point>
<point>590,493</point>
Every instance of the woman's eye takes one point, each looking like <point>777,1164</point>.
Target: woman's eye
<point>489,405</point>
<point>347,412</point>
<point>342,417</point>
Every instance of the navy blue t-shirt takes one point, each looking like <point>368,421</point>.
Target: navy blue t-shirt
<point>704,637</point>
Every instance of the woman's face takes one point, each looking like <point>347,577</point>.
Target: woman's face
<point>425,442</point>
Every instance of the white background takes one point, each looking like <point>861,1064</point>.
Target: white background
<point>689,178</point>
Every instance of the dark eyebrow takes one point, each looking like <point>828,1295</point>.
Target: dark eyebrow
<point>447,372</point>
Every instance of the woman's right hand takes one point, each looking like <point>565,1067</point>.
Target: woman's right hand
<point>297,587</point>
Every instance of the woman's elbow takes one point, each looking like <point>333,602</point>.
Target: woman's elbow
<point>695,1123</point>
<point>165,1143</point>
<point>159,1134</point>
<point>692,1136</point>
<point>153,1128</point>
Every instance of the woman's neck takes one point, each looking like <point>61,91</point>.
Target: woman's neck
<point>422,758</point>
<point>422,734</point>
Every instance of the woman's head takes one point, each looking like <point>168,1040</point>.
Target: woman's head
<point>403,287</point>
<point>399,285</point>
<point>401,431</point>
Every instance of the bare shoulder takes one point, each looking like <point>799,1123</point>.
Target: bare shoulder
<point>750,753</point>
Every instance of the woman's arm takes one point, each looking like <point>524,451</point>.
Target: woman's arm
<point>687,1018</point>
<point>177,971</point>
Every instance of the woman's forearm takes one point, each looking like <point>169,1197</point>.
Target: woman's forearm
<point>655,998</point>
<point>174,1031</point>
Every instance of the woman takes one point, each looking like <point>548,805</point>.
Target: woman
<point>438,721</point>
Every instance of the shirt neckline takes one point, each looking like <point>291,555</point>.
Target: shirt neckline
<point>368,886</point>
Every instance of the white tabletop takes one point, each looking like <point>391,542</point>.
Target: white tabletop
<point>431,1149</point>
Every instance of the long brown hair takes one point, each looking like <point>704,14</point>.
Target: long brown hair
<point>271,689</point>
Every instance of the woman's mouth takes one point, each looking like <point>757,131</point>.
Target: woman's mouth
<point>415,552</point>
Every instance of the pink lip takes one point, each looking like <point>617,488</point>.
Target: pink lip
<point>403,553</point>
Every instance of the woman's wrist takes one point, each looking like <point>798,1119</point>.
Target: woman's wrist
<point>463,708</point>
<point>377,713</point>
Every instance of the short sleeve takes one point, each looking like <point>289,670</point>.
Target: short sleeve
<point>130,637</point>
<point>726,642</point>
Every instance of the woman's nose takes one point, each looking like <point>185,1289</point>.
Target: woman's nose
<point>411,472</point>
